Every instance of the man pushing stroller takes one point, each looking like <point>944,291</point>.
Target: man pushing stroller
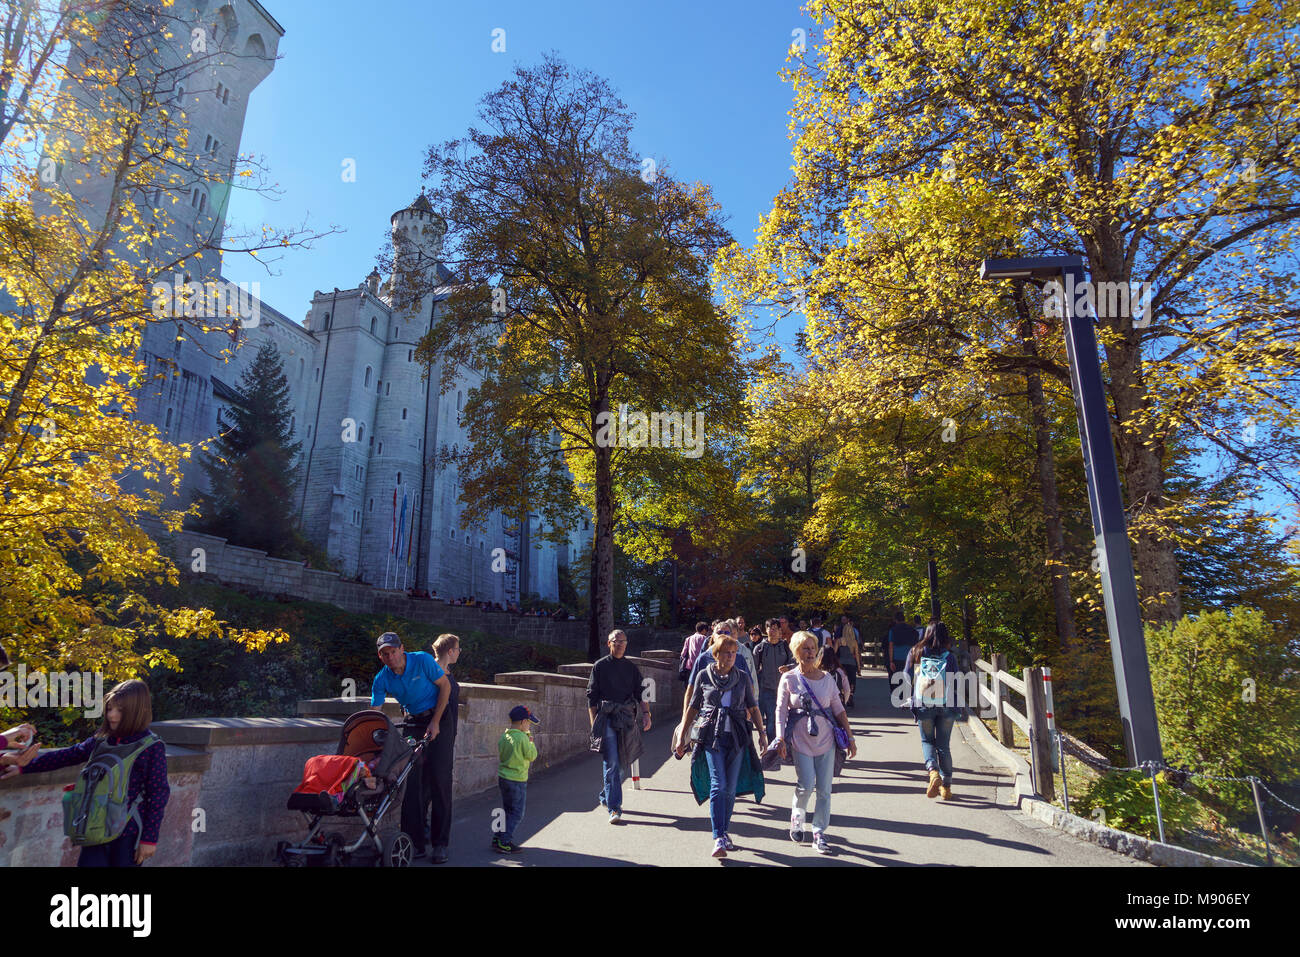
<point>421,687</point>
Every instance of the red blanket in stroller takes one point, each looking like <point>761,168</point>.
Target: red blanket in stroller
<point>331,774</point>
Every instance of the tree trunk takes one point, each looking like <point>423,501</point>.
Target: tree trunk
<point>602,552</point>
<point>1061,600</point>
<point>1140,451</point>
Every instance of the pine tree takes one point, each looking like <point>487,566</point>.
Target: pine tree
<point>252,474</point>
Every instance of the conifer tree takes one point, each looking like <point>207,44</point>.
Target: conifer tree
<point>252,474</point>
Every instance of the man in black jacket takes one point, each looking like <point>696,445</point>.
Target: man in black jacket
<point>614,691</point>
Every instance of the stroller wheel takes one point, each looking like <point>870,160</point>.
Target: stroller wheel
<point>333,849</point>
<point>398,850</point>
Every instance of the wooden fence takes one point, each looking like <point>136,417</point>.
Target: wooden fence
<point>1033,721</point>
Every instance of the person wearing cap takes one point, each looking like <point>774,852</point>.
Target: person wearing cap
<point>422,689</point>
<point>613,692</point>
<point>516,751</point>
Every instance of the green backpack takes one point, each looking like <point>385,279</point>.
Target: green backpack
<point>95,809</point>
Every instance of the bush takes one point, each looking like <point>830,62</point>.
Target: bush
<point>1227,691</point>
<point>1125,799</point>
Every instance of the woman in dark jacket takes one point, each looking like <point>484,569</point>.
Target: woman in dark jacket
<point>723,699</point>
<point>443,753</point>
<point>931,670</point>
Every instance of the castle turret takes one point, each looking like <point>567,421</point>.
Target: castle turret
<point>417,246</point>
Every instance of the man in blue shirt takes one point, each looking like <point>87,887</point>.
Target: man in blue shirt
<point>421,687</point>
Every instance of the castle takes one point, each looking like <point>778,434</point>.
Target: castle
<point>368,416</point>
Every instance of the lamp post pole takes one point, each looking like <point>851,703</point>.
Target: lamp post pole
<point>1105,500</point>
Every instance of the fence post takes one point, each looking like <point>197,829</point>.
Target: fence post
<point>1259,809</point>
<point>1005,734</point>
<point>1040,742</point>
<point>1155,794</point>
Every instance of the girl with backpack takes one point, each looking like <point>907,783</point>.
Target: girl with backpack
<point>139,800</point>
<point>931,668</point>
<point>812,725</point>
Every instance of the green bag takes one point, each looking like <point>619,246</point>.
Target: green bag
<point>95,810</point>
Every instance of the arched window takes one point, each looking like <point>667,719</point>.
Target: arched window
<point>168,423</point>
<point>388,389</point>
<point>292,420</point>
<point>368,373</point>
<point>327,321</point>
<point>315,375</point>
<point>373,320</point>
<point>302,367</point>
<point>372,505</point>
<point>399,478</point>
<point>380,450</point>
<point>403,415</point>
<point>379,386</point>
<point>361,433</point>
<point>458,405</point>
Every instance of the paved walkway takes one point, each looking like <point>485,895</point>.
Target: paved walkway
<point>879,812</point>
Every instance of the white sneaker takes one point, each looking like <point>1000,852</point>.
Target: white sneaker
<point>615,817</point>
<point>819,842</point>
<point>720,848</point>
<point>796,830</point>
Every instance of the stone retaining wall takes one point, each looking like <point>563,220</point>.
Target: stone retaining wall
<point>253,570</point>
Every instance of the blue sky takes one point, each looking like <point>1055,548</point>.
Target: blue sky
<point>353,82</point>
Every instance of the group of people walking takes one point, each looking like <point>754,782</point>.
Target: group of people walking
<point>795,687</point>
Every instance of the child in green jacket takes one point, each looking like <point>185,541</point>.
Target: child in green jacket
<point>517,751</point>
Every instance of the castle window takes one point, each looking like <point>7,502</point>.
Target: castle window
<point>388,389</point>
<point>292,419</point>
<point>379,386</point>
<point>373,320</point>
<point>372,505</point>
<point>361,433</point>
<point>372,441</point>
<point>327,321</point>
<point>458,405</point>
<point>207,142</point>
<point>302,367</point>
<point>309,431</point>
<point>419,445</point>
<point>403,415</point>
<point>399,478</point>
<point>316,374</point>
<point>380,450</point>
<point>410,355</point>
<point>368,373</point>
<point>168,423</point>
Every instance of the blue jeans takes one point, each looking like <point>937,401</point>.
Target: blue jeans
<point>936,730</point>
<point>767,707</point>
<point>611,794</point>
<point>513,796</point>
<point>813,773</point>
<point>724,772</point>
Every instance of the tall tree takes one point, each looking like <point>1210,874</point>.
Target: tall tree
<point>251,470</point>
<point>1165,155</point>
<point>583,285</point>
<point>92,125</point>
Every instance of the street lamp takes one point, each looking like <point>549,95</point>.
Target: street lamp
<point>1128,651</point>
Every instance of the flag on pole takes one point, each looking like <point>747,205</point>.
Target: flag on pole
<point>392,543</point>
<point>411,534</point>
<point>401,526</point>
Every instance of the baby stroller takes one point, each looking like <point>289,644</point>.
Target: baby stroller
<point>334,788</point>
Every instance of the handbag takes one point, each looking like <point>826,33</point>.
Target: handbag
<point>841,736</point>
